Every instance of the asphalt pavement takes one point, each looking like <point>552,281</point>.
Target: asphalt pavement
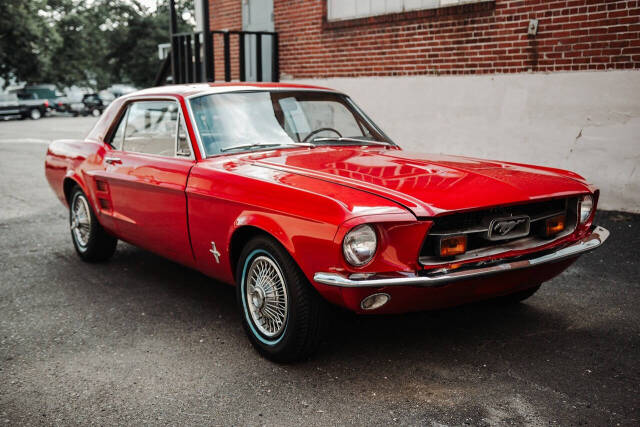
<point>142,340</point>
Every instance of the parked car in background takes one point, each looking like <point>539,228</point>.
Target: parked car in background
<point>9,105</point>
<point>93,104</point>
<point>22,105</point>
<point>90,104</point>
<point>31,106</point>
<point>43,91</point>
<point>296,197</point>
<point>106,96</point>
<point>62,104</point>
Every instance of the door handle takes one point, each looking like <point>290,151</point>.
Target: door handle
<point>113,160</point>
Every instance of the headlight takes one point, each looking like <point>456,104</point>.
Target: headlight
<point>359,245</point>
<point>586,207</point>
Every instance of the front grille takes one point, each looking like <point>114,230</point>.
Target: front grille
<point>470,219</point>
<point>475,226</point>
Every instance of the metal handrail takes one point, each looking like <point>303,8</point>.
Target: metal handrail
<point>194,62</point>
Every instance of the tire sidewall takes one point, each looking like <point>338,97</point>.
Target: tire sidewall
<point>269,342</point>
<point>272,348</point>
<point>75,195</point>
<point>101,245</point>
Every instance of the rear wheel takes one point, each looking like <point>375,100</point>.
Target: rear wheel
<point>91,241</point>
<point>282,314</point>
<point>35,114</point>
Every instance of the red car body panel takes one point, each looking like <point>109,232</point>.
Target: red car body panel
<point>407,298</point>
<point>306,198</point>
<point>158,220</point>
<point>428,184</point>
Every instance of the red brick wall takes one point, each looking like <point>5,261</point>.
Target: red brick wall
<point>486,37</point>
<point>225,15</point>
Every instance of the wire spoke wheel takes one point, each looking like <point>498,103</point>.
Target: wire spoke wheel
<point>81,220</point>
<point>266,296</point>
<point>283,316</point>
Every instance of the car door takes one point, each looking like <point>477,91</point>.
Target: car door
<point>147,175</point>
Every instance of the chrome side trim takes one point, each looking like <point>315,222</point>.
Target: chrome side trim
<point>589,243</point>
<point>196,131</point>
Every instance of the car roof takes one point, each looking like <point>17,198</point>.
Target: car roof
<point>194,89</point>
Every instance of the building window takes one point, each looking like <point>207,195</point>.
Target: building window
<point>338,10</point>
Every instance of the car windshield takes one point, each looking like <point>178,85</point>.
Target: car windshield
<point>253,120</point>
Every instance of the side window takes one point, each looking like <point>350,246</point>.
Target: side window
<point>151,128</point>
<point>183,148</point>
<point>117,137</point>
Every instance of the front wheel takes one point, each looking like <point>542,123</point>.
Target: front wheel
<point>282,314</point>
<point>91,241</point>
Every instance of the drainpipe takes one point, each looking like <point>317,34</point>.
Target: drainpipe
<point>207,44</point>
<point>173,28</point>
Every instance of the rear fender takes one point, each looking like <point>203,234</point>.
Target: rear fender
<point>64,164</point>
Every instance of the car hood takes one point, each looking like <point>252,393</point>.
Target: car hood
<point>427,184</point>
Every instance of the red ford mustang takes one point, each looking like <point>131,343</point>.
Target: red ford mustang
<point>295,196</point>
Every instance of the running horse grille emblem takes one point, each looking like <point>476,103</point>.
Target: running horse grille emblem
<point>508,228</point>
<point>504,227</point>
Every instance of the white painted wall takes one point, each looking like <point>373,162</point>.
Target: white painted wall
<point>587,122</point>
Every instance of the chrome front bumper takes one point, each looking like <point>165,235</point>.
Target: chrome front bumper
<point>589,243</point>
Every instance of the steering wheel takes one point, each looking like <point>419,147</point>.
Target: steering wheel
<point>320,130</point>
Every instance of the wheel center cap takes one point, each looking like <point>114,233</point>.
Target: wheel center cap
<point>257,298</point>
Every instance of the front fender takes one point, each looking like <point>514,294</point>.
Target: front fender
<point>268,224</point>
<point>310,243</point>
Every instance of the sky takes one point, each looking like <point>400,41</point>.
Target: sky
<point>151,4</point>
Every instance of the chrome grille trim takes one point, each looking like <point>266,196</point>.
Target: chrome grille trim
<point>523,243</point>
<point>486,229</point>
<point>590,242</point>
<point>497,247</point>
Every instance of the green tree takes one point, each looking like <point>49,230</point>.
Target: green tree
<point>26,38</point>
<point>132,48</point>
<point>86,43</point>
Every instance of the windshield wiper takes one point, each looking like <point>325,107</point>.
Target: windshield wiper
<point>358,140</point>
<point>266,144</point>
<point>255,145</point>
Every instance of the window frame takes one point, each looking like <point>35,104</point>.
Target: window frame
<point>479,7</point>
<point>123,116</point>
<point>366,119</point>
<point>183,123</point>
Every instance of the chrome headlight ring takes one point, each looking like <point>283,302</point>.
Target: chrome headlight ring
<point>359,245</point>
<point>585,208</point>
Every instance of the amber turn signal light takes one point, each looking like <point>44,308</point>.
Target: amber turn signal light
<point>454,245</point>
<point>554,225</point>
